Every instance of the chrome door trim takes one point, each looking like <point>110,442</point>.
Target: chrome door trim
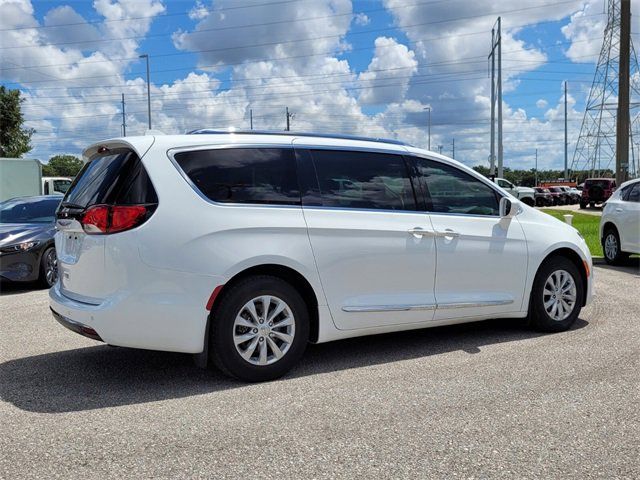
<point>387,308</point>
<point>483,303</point>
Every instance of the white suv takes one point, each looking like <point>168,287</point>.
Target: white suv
<point>241,248</point>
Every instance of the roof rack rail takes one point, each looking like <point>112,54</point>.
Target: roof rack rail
<point>209,131</point>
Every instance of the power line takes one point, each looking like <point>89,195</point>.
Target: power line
<point>362,32</point>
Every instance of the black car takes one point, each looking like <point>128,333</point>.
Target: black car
<point>27,251</point>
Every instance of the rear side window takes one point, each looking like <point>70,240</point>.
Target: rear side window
<point>243,175</point>
<point>450,190</point>
<point>366,180</point>
<point>115,177</point>
<point>634,193</point>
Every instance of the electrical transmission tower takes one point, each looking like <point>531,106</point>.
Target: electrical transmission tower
<point>596,148</point>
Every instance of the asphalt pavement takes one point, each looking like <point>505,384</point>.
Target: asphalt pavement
<point>483,400</point>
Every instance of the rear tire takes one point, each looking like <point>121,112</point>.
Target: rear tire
<point>557,295</point>
<point>583,205</point>
<point>611,247</point>
<point>271,349</point>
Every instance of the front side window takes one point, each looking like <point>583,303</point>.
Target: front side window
<point>243,175</point>
<point>504,184</point>
<point>363,180</point>
<point>450,190</point>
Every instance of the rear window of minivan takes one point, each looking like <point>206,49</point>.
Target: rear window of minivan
<point>114,177</point>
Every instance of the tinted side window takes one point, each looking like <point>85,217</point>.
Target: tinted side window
<point>450,190</point>
<point>368,180</point>
<point>243,175</point>
<point>634,194</point>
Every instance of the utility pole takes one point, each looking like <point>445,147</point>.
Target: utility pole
<point>124,123</point>
<point>496,47</point>
<point>429,128</point>
<point>566,141</point>
<point>500,151</point>
<point>440,149</point>
<point>251,118</point>
<point>289,115</point>
<point>145,56</point>
<point>622,122</point>
<point>536,177</point>
<point>453,148</point>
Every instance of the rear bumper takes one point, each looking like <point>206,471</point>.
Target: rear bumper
<point>76,327</point>
<point>166,313</point>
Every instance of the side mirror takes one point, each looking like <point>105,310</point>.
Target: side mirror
<point>508,207</point>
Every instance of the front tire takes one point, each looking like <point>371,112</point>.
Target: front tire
<point>557,295</point>
<point>48,268</point>
<point>611,247</point>
<point>259,330</point>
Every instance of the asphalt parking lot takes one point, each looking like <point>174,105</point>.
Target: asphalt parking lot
<point>484,400</point>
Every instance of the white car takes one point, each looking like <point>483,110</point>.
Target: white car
<point>525,194</point>
<point>242,248</point>
<point>620,223</point>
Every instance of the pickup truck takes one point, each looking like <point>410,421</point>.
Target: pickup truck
<point>524,194</point>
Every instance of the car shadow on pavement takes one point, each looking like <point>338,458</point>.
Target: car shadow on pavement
<point>630,265</point>
<point>102,376</point>
<point>8,288</point>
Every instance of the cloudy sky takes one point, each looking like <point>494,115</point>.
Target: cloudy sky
<point>359,67</point>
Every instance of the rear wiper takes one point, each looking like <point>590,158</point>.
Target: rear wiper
<point>71,205</point>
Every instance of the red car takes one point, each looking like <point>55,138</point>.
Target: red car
<point>597,191</point>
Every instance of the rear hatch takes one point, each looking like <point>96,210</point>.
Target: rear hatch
<point>111,195</point>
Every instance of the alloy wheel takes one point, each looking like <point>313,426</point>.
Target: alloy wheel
<point>51,267</point>
<point>611,246</point>
<point>559,295</point>
<point>263,330</point>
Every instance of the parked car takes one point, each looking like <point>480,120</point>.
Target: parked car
<point>596,191</point>
<point>577,194</point>
<point>27,251</point>
<point>525,194</point>
<point>559,196</point>
<point>543,197</point>
<point>620,223</point>
<point>242,248</point>
<point>570,197</point>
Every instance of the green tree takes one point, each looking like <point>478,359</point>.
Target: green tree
<point>15,140</point>
<point>62,166</point>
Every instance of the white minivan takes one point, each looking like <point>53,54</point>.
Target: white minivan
<point>243,247</point>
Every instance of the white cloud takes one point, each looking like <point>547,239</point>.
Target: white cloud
<point>387,78</point>
<point>542,103</point>
<point>361,19</point>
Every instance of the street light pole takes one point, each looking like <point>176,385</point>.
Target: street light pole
<point>429,130</point>
<point>145,56</point>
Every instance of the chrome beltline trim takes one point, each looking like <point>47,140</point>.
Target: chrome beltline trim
<point>404,308</point>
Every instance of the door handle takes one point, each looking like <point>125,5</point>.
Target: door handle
<point>618,209</point>
<point>448,233</point>
<point>419,232</point>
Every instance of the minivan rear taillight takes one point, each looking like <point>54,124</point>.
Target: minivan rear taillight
<point>104,219</point>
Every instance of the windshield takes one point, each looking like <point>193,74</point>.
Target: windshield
<point>22,210</point>
<point>61,185</point>
<point>600,183</point>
